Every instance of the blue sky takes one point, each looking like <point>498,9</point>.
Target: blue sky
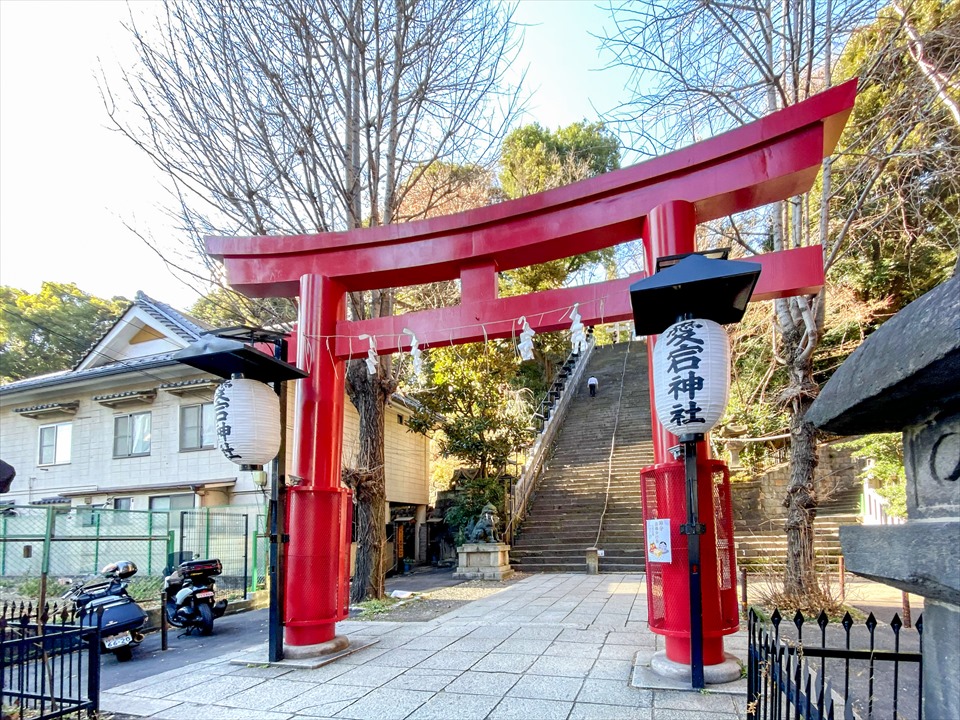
<point>69,186</point>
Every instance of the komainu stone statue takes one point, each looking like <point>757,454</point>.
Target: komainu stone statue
<point>485,529</point>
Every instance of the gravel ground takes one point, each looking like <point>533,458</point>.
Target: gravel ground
<point>430,605</point>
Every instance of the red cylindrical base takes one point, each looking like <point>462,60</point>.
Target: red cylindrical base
<point>316,584</point>
<point>678,649</point>
<point>668,583</point>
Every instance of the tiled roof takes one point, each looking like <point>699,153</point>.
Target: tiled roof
<point>185,326</point>
<point>115,368</point>
<point>180,324</point>
<point>56,500</point>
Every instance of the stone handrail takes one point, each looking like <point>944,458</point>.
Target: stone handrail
<point>537,454</point>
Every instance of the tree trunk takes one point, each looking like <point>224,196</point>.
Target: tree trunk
<point>800,577</point>
<point>368,394</point>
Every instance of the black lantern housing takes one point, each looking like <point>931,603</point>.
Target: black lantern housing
<point>717,290</point>
<point>226,357</point>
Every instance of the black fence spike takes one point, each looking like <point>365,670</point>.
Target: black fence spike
<point>896,623</point>
<point>783,677</point>
<point>798,619</point>
<point>822,619</point>
<point>919,624</point>
<point>776,617</point>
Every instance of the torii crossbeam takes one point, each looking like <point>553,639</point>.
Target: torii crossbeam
<point>661,200</point>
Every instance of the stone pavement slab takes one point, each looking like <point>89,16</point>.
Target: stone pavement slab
<point>549,646</point>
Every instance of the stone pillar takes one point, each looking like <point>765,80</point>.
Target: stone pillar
<point>593,561</point>
<point>906,377</point>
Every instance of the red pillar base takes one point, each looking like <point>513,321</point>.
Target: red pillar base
<point>678,649</point>
<point>317,520</point>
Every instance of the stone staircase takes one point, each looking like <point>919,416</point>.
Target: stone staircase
<point>764,549</point>
<point>569,500</point>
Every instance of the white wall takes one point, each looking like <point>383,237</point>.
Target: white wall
<point>93,466</point>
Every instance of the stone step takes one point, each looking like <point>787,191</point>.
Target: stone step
<point>584,480</point>
<point>580,567</point>
<point>610,547</point>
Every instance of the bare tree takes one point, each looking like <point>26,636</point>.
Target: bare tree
<point>705,66</point>
<point>296,116</point>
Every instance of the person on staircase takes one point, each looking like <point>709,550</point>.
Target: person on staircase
<point>592,385</point>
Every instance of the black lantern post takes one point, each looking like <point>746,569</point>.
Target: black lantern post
<point>685,291</point>
<point>226,353</point>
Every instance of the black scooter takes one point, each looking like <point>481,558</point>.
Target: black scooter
<point>191,595</point>
<point>107,603</point>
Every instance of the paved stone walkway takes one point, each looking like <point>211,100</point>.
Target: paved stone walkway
<point>550,646</point>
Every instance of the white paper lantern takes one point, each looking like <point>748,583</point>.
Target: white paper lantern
<point>248,421</point>
<point>691,376</point>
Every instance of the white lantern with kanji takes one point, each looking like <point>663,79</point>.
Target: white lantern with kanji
<point>248,422</point>
<point>691,376</point>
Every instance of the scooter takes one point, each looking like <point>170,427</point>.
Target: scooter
<point>105,602</point>
<point>191,595</point>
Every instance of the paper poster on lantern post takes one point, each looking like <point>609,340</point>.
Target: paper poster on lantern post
<point>658,541</point>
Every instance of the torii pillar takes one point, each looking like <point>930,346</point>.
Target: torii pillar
<point>661,200</point>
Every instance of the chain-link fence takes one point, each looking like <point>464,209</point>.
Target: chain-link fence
<point>76,543</point>
<point>220,533</point>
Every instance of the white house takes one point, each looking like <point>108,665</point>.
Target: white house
<point>130,428</point>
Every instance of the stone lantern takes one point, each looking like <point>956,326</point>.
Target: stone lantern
<point>906,378</point>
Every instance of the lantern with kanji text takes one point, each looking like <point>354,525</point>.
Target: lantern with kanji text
<point>247,415</point>
<point>691,376</point>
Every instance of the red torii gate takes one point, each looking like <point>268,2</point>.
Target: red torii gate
<point>660,200</point>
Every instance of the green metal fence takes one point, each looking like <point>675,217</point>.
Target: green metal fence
<point>77,542</point>
<point>261,555</point>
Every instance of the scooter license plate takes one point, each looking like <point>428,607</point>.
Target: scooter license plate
<point>205,593</point>
<point>116,641</point>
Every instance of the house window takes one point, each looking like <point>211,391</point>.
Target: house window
<point>131,435</point>
<point>196,427</point>
<point>123,503</point>
<point>170,503</point>
<point>55,443</point>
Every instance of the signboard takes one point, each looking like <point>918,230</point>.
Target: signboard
<point>658,541</point>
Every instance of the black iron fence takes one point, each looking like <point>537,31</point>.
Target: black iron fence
<point>788,678</point>
<point>49,667</point>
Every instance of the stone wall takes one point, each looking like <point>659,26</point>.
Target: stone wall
<point>757,503</point>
